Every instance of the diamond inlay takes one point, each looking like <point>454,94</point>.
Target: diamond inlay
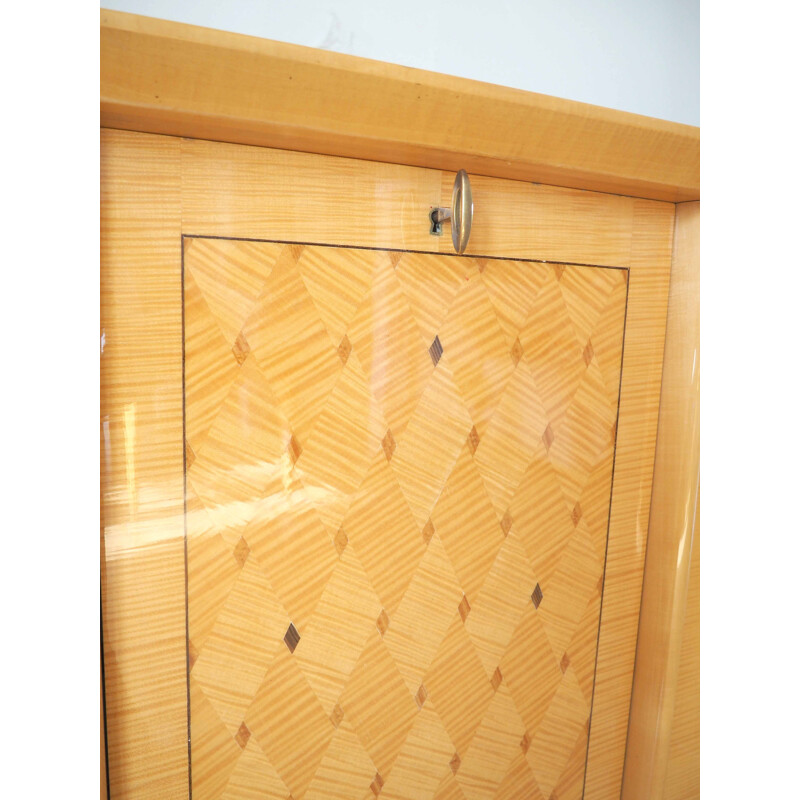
<point>241,551</point>
<point>241,349</point>
<point>473,440</point>
<point>340,540</point>
<point>396,506</point>
<point>588,353</point>
<point>383,622</point>
<point>436,351</point>
<point>344,349</point>
<point>497,679</point>
<point>295,450</point>
<point>516,351</point>
<point>291,637</point>
<point>388,445</point>
<point>548,437</point>
<point>242,736</point>
<point>189,454</point>
<point>192,655</point>
<point>463,608</point>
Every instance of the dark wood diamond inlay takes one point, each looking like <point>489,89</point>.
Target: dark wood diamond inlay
<point>427,531</point>
<point>537,596</point>
<point>564,662</point>
<point>421,696</point>
<point>455,763</point>
<point>340,541</point>
<point>377,784</point>
<point>337,715</point>
<point>525,743</point>
<point>436,351</point>
<point>292,637</point>
<point>559,270</point>
<point>576,515</point>
<point>473,440</point>
<point>506,523</point>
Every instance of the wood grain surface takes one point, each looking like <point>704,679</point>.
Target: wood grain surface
<point>246,192</point>
<point>672,519</point>
<point>142,467</point>
<point>170,78</point>
<point>398,494</point>
<point>682,780</point>
<point>628,534</point>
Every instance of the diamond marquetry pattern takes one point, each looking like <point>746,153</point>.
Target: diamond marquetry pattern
<point>398,473</point>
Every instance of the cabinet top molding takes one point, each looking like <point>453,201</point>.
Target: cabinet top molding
<point>183,80</point>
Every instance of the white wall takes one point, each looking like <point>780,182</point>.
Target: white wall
<point>641,56</point>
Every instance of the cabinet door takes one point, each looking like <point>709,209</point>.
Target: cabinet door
<point>374,514</point>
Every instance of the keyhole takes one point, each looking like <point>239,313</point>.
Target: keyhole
<point>436,227</point>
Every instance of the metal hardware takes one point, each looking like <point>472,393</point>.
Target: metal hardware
<point>459,214</point>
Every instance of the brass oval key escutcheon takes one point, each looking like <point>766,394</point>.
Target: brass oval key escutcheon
<point>459,213</point>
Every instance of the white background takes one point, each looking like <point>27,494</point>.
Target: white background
<point>750,435</point>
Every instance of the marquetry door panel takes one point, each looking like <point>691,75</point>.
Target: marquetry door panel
<point>398,471</point>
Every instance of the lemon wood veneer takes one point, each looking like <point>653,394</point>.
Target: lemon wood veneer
<point>158,188</point>
<point>399,481</point>
<point>663,657</point>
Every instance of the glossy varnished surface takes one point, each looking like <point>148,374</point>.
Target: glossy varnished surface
<point>682,780</point>
<point>399,472</point>
<point>142,469</point>
<point>157,188</point>
<point>671,557</point>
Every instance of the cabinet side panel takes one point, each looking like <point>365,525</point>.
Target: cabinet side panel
<point>666,576</point>
<point>683,766</point>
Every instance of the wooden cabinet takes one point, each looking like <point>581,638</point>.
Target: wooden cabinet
<point>374,514</point>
